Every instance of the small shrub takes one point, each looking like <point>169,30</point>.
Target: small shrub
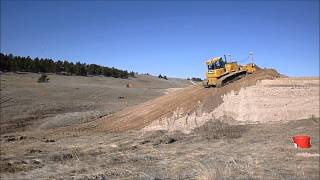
<point>196,79</point>
<point>162,77</point>
<point>129,85</point>
<point>43,79</point>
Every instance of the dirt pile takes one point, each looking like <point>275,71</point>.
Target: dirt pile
<point>278,100</point>
<point>165,110</point>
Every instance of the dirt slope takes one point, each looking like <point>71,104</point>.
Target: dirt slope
<point>269,101</point>
<point>186,101</point>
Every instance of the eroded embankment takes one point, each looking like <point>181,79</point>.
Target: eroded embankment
<point>194,100</point>
<point>269,101</point>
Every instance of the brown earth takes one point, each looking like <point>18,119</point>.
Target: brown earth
<point>269,101</point>
<point>186,100</point>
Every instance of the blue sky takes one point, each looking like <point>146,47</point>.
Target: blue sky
<point>168,37</point>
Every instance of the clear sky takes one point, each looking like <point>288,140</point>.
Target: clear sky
<point>168,37</point>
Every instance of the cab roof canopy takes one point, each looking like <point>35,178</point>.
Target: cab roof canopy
<point>213,60</point>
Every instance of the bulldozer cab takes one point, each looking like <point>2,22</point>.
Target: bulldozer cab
<point>215,63</point>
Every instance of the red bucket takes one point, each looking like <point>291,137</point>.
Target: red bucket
<point>302,141</point>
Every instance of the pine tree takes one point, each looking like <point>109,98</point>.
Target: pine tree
<point>19,63</point>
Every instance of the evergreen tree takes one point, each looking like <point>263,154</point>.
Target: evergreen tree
<point>36,65</point>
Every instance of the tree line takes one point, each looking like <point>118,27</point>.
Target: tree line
<point>9,62</point>
<point>163,77</point>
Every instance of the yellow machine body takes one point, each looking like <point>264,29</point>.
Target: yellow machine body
<point>219,71</point>
<point>249,68</point>
<point>215,69</point>
<point>231,67</point>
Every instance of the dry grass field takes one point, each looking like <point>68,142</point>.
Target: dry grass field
<point>97,128</point>
<point>68,100</point>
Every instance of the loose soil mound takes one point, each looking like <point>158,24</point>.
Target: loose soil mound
<point>176,104</point>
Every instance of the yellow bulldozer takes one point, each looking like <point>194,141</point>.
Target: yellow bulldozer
<point>220,72</point>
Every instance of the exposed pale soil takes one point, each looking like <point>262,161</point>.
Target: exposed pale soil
<point>269,101</point>
<point>166,109</point>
